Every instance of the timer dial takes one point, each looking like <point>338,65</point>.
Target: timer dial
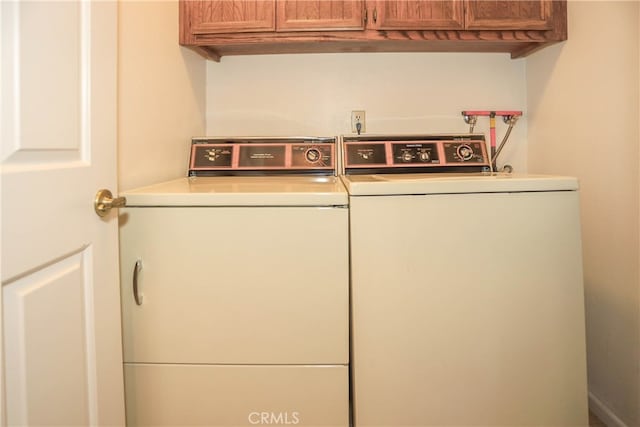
<point>465,152</point>
<point>313,155</point>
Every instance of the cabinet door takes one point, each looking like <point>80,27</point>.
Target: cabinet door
<point>416,15</point>
<point>316,15</point>
<point>508,15</point>
<point>228,16</point>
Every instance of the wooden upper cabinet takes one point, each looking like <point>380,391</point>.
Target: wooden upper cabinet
<point>319,15</point>
<point>508,15</point>
<point>416,15</point>
<point>216,28</point>
<point>228,16</point>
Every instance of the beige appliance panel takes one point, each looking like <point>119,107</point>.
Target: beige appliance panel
<point>468,309</point>
<point>236,285</point>
<point>206,395</point>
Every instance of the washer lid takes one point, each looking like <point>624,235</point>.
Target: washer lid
<point>242,191</point>
<point>445,183</point>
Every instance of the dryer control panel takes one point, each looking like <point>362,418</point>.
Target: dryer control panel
<point>415,154</point>
<point>253,156</point>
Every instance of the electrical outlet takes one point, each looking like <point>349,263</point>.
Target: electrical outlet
<point>358,117</point>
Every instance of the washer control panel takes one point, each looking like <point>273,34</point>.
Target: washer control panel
<point>435,153</point>
<point>215,156</point>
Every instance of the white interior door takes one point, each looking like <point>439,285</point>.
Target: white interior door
<point>59,271</point>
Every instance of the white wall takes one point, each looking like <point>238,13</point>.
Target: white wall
<point>161,94</point>
<point>314,94</point>
<point>583,103</point>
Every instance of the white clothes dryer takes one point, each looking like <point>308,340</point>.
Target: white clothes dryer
<point>235,288</point>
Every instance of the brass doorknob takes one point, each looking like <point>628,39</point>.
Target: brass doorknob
<point>104,202</point>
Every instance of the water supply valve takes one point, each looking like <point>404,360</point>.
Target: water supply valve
<point>509,117</point>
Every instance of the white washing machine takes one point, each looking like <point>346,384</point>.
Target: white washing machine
<point>467,292</point>
<point>235,289</point>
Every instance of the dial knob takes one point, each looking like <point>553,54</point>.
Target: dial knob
<point>465,152</point>
<point>424,156</point>
<point>406,156</point>
<point>312,155</point>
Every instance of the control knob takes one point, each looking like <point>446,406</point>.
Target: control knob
<point>312,155</point>
<point>465,152</point>
<point>424,156</point>
<point>406,156</point>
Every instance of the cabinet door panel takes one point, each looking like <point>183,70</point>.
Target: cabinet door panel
<point>504,15</point>
<point>313,15</point>
<point>229,16</point>
<point>417,15</point>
